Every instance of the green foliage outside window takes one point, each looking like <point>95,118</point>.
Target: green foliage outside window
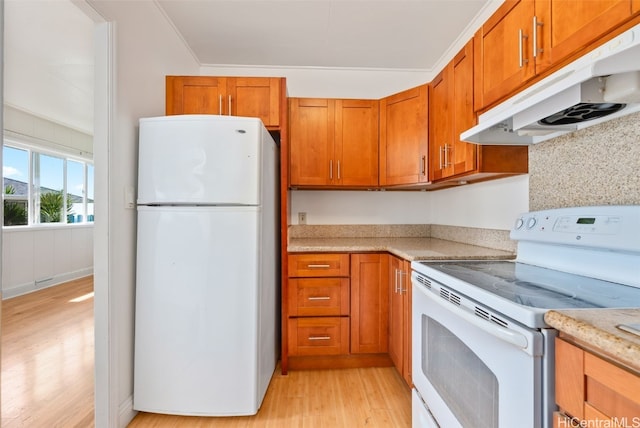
<point>51,207</point>
<point>15,212</point>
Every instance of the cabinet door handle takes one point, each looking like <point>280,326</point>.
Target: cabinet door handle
<point>338,169</point>
<point>319,337</point>
<point>440,150</point>
<point>402,288</point>
<point>447,148</point>
<point>319,298</point>
<point>396,285</point>
<point>315,266</point>
<point>521,37</point>
<point>229,105</point>
<point>536,24</point>
<point>220,104</point>
<point>423,165</point>
<point>331,169</point>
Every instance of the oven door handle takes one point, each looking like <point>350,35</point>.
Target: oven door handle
<point>504,334</point>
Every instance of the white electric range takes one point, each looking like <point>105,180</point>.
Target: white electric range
<point>482,353</point>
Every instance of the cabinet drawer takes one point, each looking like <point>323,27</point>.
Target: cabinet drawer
<point>318,296</point>
<point>611,389</point>
<point>318,336</point>
<point>318,265</point>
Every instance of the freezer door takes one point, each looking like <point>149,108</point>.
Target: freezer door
<point>201,159</point>
<point>201,297</point>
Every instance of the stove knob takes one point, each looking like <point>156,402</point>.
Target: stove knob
<point>519,223</point>
<point>531,222</point>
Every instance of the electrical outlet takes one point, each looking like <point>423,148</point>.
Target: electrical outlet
<point>302,218</point>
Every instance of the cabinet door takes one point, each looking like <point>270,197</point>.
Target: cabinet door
<point>569,374</point>
<point>311,141</point>
<point>369,303</point>
<point>635,6</point>
<point>441,124</point>
<point>465,155</point>
<point>451,112</point>
<point>195,95</point>
<point>404,137</point>
<point>254,97</point>
<point>576,24</point>
<point>506,50</point>
<point>396,314</point>
<point>356,142</point>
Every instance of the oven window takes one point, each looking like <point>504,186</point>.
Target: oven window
<point>462,380</point>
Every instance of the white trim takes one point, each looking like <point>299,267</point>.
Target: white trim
<point>105,314</point>
<point>126,412</point>
<point>23,141</point>
<point>30,287</point>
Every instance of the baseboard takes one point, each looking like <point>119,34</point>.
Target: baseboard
<point>32,286</point>
<point>126,412</point>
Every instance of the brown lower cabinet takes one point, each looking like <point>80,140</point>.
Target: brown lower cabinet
<point>400,316</point>
<point>336,311</point>
<point>592,391</point>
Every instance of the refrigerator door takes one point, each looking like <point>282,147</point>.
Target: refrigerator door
<point>205,311</point>
<point>200,160</point>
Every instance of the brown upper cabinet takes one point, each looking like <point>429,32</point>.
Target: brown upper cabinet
<point>635,6</point>
<point>404,137</point>
<point>259,97</point>
<point>523,38</point>
<point>333,142</point>
<point>451,112</point>
<point>455,162</point>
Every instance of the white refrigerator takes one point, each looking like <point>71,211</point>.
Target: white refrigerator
<point>206,333</point>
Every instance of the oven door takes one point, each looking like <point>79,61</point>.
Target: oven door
<point>472,372</point>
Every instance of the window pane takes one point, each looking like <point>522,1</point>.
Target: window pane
<point>89,192</point>
<point>51,189</point>
<point>15,173</point>
<point>75,191</point>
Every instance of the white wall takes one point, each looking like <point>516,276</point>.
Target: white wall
<point>489,205</point>
<point>39,257</point>
<point>42,256</point>
<point>130,82</point>
<point>361,207</point>
<point>312,82</point>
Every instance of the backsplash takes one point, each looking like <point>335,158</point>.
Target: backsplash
<point>599,165</point>
<point>490,238</point>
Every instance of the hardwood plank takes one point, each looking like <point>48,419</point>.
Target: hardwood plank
<point>47,357</point>
<point>361,397</point>
<point>47,377</point>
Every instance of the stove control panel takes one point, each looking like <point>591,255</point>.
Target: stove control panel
<point>611,226</point>
<point>608,225</point>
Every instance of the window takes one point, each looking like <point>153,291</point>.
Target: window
<point>45,187</point>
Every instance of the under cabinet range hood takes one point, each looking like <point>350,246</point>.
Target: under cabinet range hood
<point>602,85</point>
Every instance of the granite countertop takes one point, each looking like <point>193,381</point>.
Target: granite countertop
<point>597,329</point>
<point>419,248</point>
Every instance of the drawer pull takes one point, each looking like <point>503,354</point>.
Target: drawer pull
<point>318,266</point>
<point>319,337</point>
<point>319,298</point>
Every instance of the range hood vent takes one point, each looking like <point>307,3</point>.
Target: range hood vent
<point>600,86</point>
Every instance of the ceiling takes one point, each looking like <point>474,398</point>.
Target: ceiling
<point>49,56</point>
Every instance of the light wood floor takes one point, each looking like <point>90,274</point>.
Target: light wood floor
<point>47,357</point>
<point>47,377</point>
<point>345,398</point>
